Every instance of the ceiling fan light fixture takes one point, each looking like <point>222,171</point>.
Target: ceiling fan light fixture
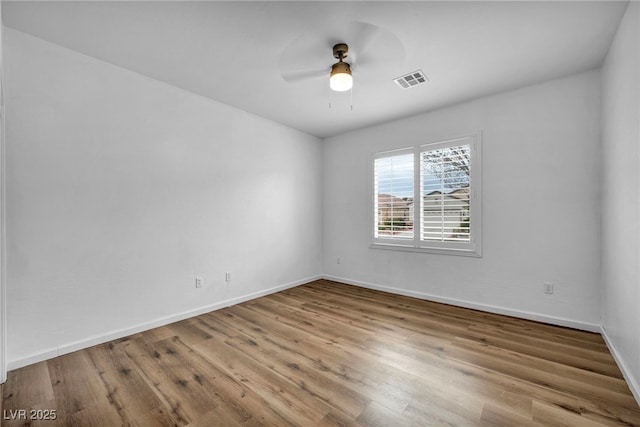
<point>340,78</point>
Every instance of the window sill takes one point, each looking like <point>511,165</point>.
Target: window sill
<point>440,251</point>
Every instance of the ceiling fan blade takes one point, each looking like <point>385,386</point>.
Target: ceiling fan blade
<point>306,57</point>
<point>377,52</point>
<point>361,36</point>
<point>295,76</point>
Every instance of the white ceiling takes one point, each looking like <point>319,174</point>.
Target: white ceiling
<point>237,52</point>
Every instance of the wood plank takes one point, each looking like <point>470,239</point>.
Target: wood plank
<point>127,391</point>
<point>497,416</point>
<point>287,399</point>
<point>377,415</point>
<point>28,387</point>
<point>337,419</point>
<point>551,415</point>
<point>76,384</point>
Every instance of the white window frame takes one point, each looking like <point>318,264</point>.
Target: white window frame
<point>471,248</point>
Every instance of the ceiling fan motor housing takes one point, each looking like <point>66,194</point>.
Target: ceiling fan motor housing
<point>340,67</point>
<point>340,51</point>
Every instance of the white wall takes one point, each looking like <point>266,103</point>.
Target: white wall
<point>541,205</point>
<point>122,189</point>
<point>3,299</point>
<point>621,196</point>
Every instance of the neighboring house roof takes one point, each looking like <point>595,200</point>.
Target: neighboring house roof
<point>388,200</point>
<point>460,193</point>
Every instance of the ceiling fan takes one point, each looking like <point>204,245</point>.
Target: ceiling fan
<point>373,53</point>
<point>340,78</point>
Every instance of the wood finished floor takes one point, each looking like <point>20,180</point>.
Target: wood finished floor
<point>328,354</point>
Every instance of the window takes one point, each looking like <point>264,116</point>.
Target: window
<point>427,198</point>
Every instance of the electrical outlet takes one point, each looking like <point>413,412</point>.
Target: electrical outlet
<point>199,282</point>
<point>338,260</point>
<point>548,287</point>
<point>227,277</point>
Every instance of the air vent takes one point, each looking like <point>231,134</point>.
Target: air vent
<point>412,79</point>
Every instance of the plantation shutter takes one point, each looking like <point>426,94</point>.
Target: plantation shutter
<point>445,192</point>
<point>393,196</point>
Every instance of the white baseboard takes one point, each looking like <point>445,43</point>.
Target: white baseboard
<point>626,372</point>
<point>559,321</point>
<point>70,347</point>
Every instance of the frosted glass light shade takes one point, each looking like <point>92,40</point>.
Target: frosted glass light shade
<point>340,78</point>
<point>341,82</point>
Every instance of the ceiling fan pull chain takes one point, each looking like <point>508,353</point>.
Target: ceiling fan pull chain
<point>351,98</point>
